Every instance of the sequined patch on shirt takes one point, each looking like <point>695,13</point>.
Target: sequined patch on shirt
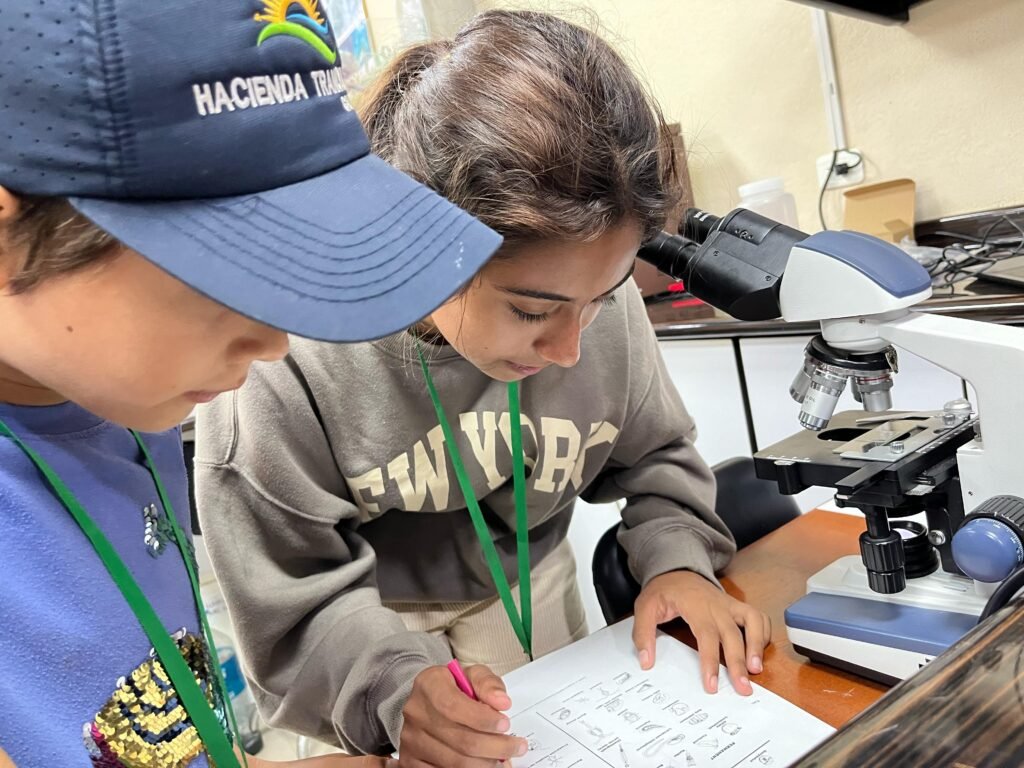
<point>144,725</point>
<point>159,531</point>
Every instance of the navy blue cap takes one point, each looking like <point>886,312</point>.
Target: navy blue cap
<point>216,139</point>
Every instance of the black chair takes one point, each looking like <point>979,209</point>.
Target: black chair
<point>749,506</point>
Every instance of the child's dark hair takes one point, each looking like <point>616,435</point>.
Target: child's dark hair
<point>531,123</point>
<point>57,240</point>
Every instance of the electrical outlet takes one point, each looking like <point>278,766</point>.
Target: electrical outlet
<point>851,178</point>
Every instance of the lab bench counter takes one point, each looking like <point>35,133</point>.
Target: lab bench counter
<point>973,299</point>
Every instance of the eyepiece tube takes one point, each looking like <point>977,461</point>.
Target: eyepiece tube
<point>698,225</point>
<point>671,254</point>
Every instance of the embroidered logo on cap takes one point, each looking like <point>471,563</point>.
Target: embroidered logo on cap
<point>305,23</point>
<point>282,17</point>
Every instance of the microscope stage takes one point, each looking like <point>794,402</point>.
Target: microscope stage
<point>898,454</point>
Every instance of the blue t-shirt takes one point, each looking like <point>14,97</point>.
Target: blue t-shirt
<point>79,686</point>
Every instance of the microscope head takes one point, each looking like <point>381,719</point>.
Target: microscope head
<point>841,275</point>
<point>757,269</point>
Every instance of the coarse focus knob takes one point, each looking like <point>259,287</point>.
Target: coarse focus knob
<point>989,545</point>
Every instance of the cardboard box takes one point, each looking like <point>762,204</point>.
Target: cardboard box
<point>885,210</point>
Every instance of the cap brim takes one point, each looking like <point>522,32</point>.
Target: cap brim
<point>355,254</point>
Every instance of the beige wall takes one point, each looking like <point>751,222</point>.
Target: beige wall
<point>443,18</point>
<point>940,100</point>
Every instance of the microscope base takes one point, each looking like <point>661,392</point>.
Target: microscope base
<point>887,638</point>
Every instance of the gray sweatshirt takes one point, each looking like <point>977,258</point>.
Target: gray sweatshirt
<point>324,487</point>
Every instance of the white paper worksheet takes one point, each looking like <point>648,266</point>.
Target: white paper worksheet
<point>589,705</point>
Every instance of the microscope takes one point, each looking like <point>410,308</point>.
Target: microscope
<point>917,585</point>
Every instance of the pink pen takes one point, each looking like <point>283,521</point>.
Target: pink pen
<point>463,683</point>
<point>461,680</point>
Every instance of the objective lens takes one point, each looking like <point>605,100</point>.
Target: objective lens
<point>798,389</point>
<point>855,391</point>
<point>819,403</point>
<point>875,390</point>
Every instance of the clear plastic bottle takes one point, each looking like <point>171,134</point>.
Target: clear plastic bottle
<point>242,702</point>
<point>770,198</point>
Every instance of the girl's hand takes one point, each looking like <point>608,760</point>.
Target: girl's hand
<point>715,619</point>
<point>445,728</point>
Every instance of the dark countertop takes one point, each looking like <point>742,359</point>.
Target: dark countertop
<point>973,299</point>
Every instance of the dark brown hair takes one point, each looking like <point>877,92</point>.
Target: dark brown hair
<point>57,238</point>
<point>531,123</point>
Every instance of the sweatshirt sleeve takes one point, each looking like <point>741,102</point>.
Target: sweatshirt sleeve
<point>325,657</point>
<point>669,521</point>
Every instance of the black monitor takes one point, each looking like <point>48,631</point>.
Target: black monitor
<point>886,11</point>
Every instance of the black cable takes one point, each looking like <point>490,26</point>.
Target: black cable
<point>1020,231</point>
<point>1003,239</point>
<point>821,195</point>
<point>958,236</point>
<point>1009,587</point>
<point>860,160</point>
<point>840,169</point>
<point>974,256</point>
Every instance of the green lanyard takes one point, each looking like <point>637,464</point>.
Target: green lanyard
<point>522,625</point>
<point>217,743</point>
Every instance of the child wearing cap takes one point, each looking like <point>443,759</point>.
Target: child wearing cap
<point>366,512</point>
<point>153,245</point>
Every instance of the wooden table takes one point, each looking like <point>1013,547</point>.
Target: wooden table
<point>770,574</point>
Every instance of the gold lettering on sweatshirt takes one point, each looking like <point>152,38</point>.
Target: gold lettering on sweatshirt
<point>372,481</point>
<point>505,427</point>
<point>560,460</point>
<point>432,478</point>
<point>601,432</point>
<point>483,447</point>
<point>556,431</point>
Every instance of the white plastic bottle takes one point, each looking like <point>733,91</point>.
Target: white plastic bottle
<point>770,198</point>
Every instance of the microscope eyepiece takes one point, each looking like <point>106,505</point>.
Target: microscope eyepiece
<point>698,225</point>
<point>671,254</point>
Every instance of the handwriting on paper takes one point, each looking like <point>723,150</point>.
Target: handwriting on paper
<point>591,706</point>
